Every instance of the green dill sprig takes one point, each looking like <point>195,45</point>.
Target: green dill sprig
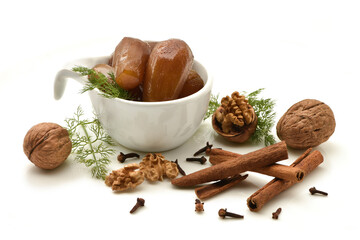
<point>90,143</point>
<point>106,84</point>
<point>264,109</point>
<point>213,105</point>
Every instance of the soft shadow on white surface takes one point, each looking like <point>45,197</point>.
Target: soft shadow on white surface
<point>64,174</point>
<point>295,50</point>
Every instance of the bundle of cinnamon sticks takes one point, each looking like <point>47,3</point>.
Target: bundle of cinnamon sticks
<point>227,167</point>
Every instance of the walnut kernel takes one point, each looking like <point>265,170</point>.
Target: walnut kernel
<point>155,167</point>
<point>235,112</point>
<point>47,145</point>
<point>125,178</point>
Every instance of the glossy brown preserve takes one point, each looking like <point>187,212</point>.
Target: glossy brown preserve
<point>192,84</point>
<point>104,69</point>
<point>129,62</point>
<point>168,67</point>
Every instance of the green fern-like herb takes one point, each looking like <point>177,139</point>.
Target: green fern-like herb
<point>264,109</point>
<point>108,87</point>
<point>213,105</point>
<point>90,143</point>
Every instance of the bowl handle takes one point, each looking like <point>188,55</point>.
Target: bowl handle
<point>61,79</point>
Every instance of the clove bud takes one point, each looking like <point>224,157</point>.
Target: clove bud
<point>275,215</point>
<point>224,213</point>
<point>199,206</point>
<point>140,202</point>
<point>204,149</point>
<point>181,171</point>
<point>201,160</point>
<point>122,157</point>
<point>313,190</point>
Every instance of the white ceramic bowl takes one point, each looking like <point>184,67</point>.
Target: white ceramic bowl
<point>144,126</point>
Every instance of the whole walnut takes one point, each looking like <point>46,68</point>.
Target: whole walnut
<point>306,124</point>
<point>47,145</point>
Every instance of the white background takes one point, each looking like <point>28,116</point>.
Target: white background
<point>293,49</point>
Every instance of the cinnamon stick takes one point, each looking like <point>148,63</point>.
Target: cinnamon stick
<point>288,173</point>
<point>307,163</point>
<point>218,155</point>
<point>262,157</point>
<point>210,190</point>
<point>275,170</point>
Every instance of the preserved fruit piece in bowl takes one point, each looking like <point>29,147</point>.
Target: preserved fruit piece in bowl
<point>136,94</point>
<point>192,84</point>
<point>168,67</point>
<point>129,62</point>
<point>152,44</point>
<point>105,69</point>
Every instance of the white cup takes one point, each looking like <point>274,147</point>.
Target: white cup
<point>144,126</point>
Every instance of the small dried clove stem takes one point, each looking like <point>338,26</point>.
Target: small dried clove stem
<point>122,157</point>
<point>203,149</point>
<point>275,215</point>
<point>224,213</point>
<point>140,202</point>
<point>182,172</point>
<point>201,160</point>
<point>313,191</point>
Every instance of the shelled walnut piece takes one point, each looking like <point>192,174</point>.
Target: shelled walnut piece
<point>155,167</point>
<point>124,178</point>
<point>236,112</point>
<point>235,119</point>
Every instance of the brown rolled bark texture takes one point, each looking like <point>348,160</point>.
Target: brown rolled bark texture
<point>217,156</point>
<point>210,190</point>
<point>307,164</point>
<point>284,172</point>
<point>262,157</point>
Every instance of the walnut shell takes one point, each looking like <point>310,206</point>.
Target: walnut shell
<point>235,119</point>
<point>239,136</point>
<point>306,124</point>
<point>47,145</point>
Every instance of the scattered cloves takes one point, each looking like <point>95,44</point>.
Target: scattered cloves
<point>275,215</point>
<point>122,157</point>
<point>201,160</point>
<point>199,206</point>
<point>313,190</point>
<point>203,149</point>
<point>182,172</point>
<point>224,213</point>
<point>140,202</point>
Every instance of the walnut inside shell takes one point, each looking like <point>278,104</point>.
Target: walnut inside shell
<point>306,124</point>
<point>235,119</point>
<point>47,145</point>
